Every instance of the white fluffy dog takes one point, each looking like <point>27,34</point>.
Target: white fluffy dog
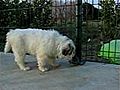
<point>46,45</point>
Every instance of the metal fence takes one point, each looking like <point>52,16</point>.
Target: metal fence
<point>101,31</point>
<point>90,23</point>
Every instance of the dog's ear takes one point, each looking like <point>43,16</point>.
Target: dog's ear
<point>68,50</point>
<point>71,48</point>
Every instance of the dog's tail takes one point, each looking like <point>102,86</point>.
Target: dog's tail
<point>7,47</point>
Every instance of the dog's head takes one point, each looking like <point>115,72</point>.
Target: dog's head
<point>67,49</point>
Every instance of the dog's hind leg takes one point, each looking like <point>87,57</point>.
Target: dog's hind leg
<point>19,59</point>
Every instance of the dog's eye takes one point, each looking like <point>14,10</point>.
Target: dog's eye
<point>65,52</point>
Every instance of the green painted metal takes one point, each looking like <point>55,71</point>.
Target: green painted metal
<point>111,51</point>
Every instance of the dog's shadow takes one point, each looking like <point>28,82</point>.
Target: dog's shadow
<point>63,64</point>
<point>32,64</point>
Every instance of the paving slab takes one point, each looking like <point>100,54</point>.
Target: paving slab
<point>91,76</point>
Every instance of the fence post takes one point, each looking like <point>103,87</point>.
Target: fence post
<point>78,57</point>
<point>79,29</point>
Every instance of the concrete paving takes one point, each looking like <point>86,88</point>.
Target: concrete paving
<point>91,76</point>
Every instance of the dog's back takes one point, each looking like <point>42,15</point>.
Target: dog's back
<point>29,38</point>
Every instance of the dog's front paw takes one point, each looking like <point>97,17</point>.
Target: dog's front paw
<point>25,68</point>
<point>43,69</point>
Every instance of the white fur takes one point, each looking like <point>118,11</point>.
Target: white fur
<point>46,45</point>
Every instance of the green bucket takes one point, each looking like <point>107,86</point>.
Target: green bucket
<point>111,51</point>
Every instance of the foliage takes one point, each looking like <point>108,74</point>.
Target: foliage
<point>25,14</point>
<point>42,13</point>
<point>67,28</point>
<point>109,26</point>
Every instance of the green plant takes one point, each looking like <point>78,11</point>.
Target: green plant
<point>109,20</point>
<point>16,14</point>
<point>24,14</point>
